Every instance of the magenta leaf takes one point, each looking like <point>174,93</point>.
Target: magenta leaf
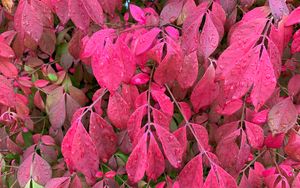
<point>172,148</point>
<point>156,161</point>
<point>118,111</point>
<point>164,102</point>
<point>255,135</point>
<point>205,88</point>
<point>194,166</point>
<point>36,168</point>
<point>137,161</point>
<point>282,116</point>
<point>103,136</point>
<point>146,40</point>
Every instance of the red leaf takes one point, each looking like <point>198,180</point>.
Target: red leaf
<point>201,136</point>
<point>146,40</point>
<point>29,19</point>
<point>156,161</point>
<point>292,147</point>
<point>94,10</point>
<point>192,173</point>
<point>274,141</point>
<point>57,111</point>
<point>62,182</point>
<point>78,14</point>
<point>293,18</point>
<point>255,135</point>
<point>282,116</point>
<point>169,68</point>
<point>6,51</point>
<point>137,161</point>
<point>164,102</point>
<point>170,12</point>
<point>108,68</point>
<point>61,10</point>
<point>84,154</point>
<point>265,81</point>
<point>189,71</point>
<point>137,13</point>
<point>171,146</point>
<point>97,42</point>
<point>190,29</point>
<point>7,68</point>
<point>118,110</point>
<point>36,168</point>
<point>41,83</point>
<point>244,152</point>
<point>205,89</point>
<point>161,118</point>
<point>140,79</point>
<point>219,178</point>
<point>103,136</point>
<point>209,38</point>
<point>80,152</point>
<point>134,122</point>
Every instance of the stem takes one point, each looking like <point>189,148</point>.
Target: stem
<point>89,108</point>
<point>200,147</point>
<point>260,154</point>
<point>149,96</point>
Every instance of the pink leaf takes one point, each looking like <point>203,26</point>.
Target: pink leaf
<point>156,161</point>
<point>80,152</point>
<point>282,116</point>
<point>161,118</point>
<point>164,102</point>
<point>137,161</point>
<point>255,135</point>
<point>189,71</point>
<point>134,122</point>
<point>61,182</point>
<point>169,68</point>
<point>140,79</point>
<point>6,51</point>
<point>118,111</point>
<point>78,14</point>
<point>7,68</point>
<point>209,38</point>
<point>60,9</point>
<point>36,168</point>
<point>293,18</point>
<point>146,40</point>
<point>171,146</point>
<point>103,136</point>
<point>170,12</point>
<point>194,166</point>
<point>41,83</point>
<point>137,13</point>
<point>265,81</point>
<point>201,136</point>
<point>108,68</point>
<point>57,111</point>
<point>219,178</point>
<point>205,89</point>
<point>84,154</point>
<point>292,147</point>
<point>274,141</point>
<point>94,10</point>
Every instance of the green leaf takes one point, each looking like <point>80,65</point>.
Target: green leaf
<point>52,77</point>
